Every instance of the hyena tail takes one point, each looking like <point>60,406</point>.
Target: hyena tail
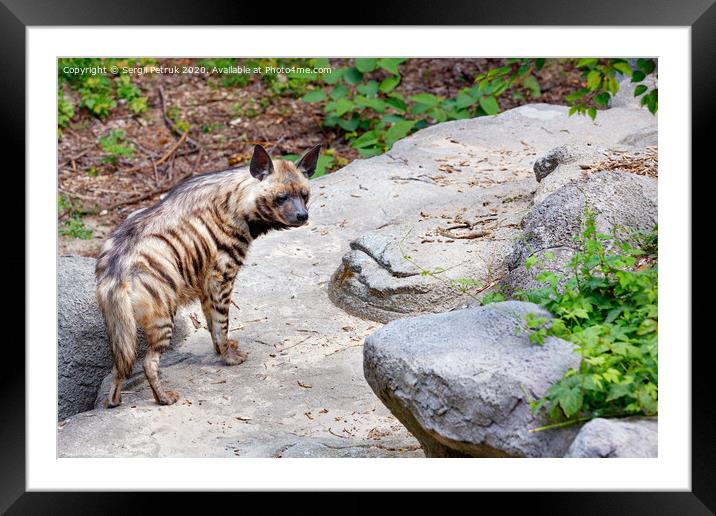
<point>116,305</point>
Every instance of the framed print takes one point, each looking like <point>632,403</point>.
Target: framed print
<point>369,251</point>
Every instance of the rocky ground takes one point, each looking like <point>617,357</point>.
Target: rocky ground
<point>449,198</point>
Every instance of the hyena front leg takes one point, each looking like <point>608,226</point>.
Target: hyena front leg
<point>206,308</point>
<point>215,303</point>
<point>159,333</point>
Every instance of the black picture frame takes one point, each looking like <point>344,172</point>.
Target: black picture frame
<point>699,15</point>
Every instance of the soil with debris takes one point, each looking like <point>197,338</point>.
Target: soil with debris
<point>225,122</point>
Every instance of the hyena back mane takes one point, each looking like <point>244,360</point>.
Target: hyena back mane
<point>183,202</point>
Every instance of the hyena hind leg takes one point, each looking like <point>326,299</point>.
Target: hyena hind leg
<point>114,398</point>
<point>159,333</point>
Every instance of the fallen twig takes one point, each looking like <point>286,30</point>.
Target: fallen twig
<point>468,236</point>
<point>78,196</point>
<point>76,156</point>
<point>294,345</point>
<point>170,123</point>
<point>333,433</point>
<point>156,191</point>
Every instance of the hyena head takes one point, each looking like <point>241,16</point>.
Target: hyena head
<point>284,189</point>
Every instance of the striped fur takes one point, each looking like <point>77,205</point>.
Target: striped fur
<point>190,246</point>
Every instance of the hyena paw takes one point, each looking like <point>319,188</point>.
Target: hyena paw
<point>232,355</point>
<point>168,398</point>
<point>108,403</point>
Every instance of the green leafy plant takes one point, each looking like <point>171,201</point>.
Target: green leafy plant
<point>100,90</point>
<point>175,115</point>
<point>113,144</point>
<point>65,111</point>
<point>96,95</point>
<point>609,310</point>
<point>227,68</point>
<point>602,84</point>
<point>73,227</point>
<point>363,102</point>
<point>132,94</point>
<point>208,128</point>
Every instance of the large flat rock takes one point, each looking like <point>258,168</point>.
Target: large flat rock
<point>429,266</point>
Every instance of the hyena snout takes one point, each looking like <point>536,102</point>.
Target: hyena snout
<point>296,213</point>
<point>301,216</point>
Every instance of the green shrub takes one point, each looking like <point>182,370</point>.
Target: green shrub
<point>362,100</point>
<point>100,93</point>
<point>65,111</point>
<point>73,227</point>
<point>112,143</point>
<point>601,84</point>
<point>609,309</point>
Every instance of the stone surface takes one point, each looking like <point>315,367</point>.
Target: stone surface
<point>644,137</point>
<point>624,438</point>
<point>461,382</point>
<point>83,348</point>
<point>383,277</point>
<point>621,201</point>
<point>291,329</point>
<point>307,448</point>
<point>567,163</point>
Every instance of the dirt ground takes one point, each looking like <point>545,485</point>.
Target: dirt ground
<point>225,122</point>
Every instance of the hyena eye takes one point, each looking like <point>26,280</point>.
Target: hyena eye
<point>281,198</point>
<point>304,195</point>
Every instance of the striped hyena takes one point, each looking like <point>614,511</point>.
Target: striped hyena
<point>190,246</point>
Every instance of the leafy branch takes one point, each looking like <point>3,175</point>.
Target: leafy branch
<point>609,310</point>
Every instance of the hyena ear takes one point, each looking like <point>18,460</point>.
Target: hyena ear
<point>261,164</point>
<point>307,163</point>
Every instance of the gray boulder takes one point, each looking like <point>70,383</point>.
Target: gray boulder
<point>83,352</point>
<point>461,382</point>
<point>383,276</point>
<point>620,200</point>
<point>632,437</point>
